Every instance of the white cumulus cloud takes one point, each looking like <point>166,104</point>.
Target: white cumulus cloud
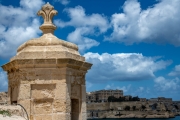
<point>3,80</point>
<point>123,66</point>
<point>163,84</point>
<point>159,23</point>
<point>64,2</point>
<point>129,89</point>
<point>84,43</point>
<point>124,88</point>
<point>17,25</point>
<point>176,71</point>
<point>85,26</point>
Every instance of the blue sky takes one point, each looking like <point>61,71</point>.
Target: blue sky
<point>134,45</point>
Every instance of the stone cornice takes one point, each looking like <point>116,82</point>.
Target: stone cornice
<point>47,63</point>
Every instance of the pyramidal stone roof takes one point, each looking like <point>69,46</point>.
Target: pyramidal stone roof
<point>48,45</point>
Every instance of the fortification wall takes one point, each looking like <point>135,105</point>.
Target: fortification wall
<point>97,106</point>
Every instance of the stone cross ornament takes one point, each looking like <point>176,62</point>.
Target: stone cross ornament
<point>47,12</point>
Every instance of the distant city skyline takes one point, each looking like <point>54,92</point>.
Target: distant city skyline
<point>104,94</point>
<point>134,45</point>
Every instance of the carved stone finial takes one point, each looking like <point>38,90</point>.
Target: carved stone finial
<point>47,12</point>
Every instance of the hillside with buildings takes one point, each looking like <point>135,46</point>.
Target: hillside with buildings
<point>113,104</point>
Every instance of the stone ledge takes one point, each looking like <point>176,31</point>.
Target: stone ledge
<point>47,63</point>
<point>47,55</point>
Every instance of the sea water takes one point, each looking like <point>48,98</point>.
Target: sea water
<point>176,118</point>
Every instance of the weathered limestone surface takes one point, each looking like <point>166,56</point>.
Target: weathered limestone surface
<point>47,75</point>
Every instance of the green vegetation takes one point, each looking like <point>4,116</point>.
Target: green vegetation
<point>5,113</point>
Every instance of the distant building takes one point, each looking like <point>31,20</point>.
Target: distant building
<point>90,97</point>
<point>142,99</point>
<point>127,97</point>
<point>177,103</point>
<point>102,95</point>
<point>153,100</point>
<point>165,100</point>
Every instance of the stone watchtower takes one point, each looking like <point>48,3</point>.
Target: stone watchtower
<point>47,75</point>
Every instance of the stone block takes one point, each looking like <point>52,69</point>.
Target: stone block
<point>26,82</point>
<point>43,106</point>
<point>71,50</point>
<point>61,116</point>
<point>75,56</point>
<point>83,106</point>
<point>83,116</point>
<point>71,61</point>
<point>30,77</point>
<point>40,71</point>
<point>42,117</point>
<point>30,55</point>
<point>61,55</point>
<point>42,82</point>
<point>56,77</point>
<point>88,65</point>
<point>61,106</point>
<point>45,63</point>
<point>62,61</point>
<point>64,76</point>
<point>26,104</point>
<point>53,54</point>
<point>54,48</point>
<point>9,95</point>
<point>10,76</point>
<point>75,91</point>
<point>26,74</point>
<point>56,71</point>
<point>24,91</point>
<point>43,77</point>
<point>25,61</point>
<point>69,55</point>
<point>34,48</point>
<point>58,74</point>
<point>79,63</point>
<point>62,81</point>
<point>83,89</point>
<point>62,91</point>
<point>43,74</point>
<point>43,91</point>
<point>43,86</point>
